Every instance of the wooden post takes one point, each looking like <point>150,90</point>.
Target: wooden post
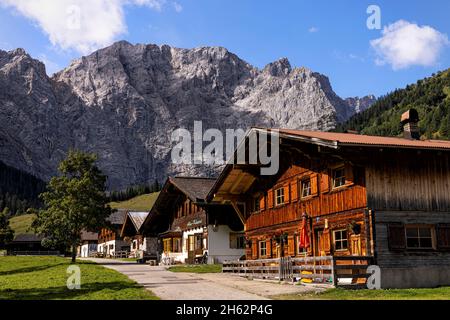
<point>333,271</point>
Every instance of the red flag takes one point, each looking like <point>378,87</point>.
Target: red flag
<point>304,234</point>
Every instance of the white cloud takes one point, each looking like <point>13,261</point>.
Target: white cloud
<point>78,24</point>
<point>313,30</point>
<point>178,7</point>
<point>406,44</point>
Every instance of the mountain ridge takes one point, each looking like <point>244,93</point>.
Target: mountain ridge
<point>123,101</point>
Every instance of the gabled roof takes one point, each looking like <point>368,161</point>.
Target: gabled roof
<point>28,237</point>
<point>195,188</point>
<point>118,217</point>
<point>89,236</point>
<point>137,218</point>
<point>334,139</point>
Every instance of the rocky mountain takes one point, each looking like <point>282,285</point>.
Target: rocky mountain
<point>361,104</point>
<point>124,101</point>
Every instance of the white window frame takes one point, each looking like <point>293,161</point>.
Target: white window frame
<point>260,248</point>
<point>309,188</point>
<point>341,240</point>
<point>341,178</point>
<point>280,196</point>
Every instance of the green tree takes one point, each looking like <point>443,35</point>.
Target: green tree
<point>6,233</point>
<point>75,201</point>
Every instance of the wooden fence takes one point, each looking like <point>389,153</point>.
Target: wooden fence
<point>329,269</point>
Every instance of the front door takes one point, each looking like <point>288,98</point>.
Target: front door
<point>191,249</point>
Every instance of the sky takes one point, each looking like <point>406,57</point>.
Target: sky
<point>364,47</point>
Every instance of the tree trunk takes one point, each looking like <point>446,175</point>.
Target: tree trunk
<point>74,253</point>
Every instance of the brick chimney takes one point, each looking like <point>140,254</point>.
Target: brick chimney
<point>410,120</point>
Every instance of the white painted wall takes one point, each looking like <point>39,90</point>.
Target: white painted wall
<point>219,245</point>
<point>112,246</point>
<point>86,249</point>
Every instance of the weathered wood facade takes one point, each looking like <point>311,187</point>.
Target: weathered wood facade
<point>109,239</point>
<point>187,227</point>
<point>363,196</point>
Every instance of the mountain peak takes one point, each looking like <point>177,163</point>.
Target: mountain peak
<point>124,101</point>
<point>281,67</point>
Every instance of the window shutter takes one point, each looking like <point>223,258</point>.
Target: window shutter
<point>443,236</point>
<point>326,241</point>
<point>314,189</point>
<point>286,193</point>
<point>262,203</point>
<point>291,246</point>
<point>324,182</point>
<point>294,191</point>
<point>269,249</point>
<point>396,237</point>
<point>270,199</point>
<point>349,179</point>
<point>255,249</point>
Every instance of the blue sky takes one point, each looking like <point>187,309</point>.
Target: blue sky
<point>330,37</point>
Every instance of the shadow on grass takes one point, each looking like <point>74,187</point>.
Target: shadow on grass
<point>62,292</point>
<point>30,269</point>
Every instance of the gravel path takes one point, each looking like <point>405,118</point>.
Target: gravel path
<point>190,286</point>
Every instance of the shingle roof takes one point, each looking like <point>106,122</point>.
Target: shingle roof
<point>137,218</point>
<point>195,188</point>
<point>349,139</point>
<point>89,236</point>
<point>118,217</point>
<point>28,238</point>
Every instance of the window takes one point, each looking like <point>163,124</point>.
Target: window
<point>419,237</point>
<point>191,243</point>
<point>134,244</point>
<point>256,206</point>
<point>306,188</point>
<point>237,241</point>
<point>177,245</point>
<point>338,177</point>
<point>198,241</point>
<point>262,248</point>
<point>167,245</point>
<point>340,240</point>
<point>279,196</point>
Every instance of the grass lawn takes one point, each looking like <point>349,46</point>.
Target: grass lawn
<point>44,278</point>
<point>392,294</point>
<point>22,224</point>
<point>140,203</point>
<point>198,268</point>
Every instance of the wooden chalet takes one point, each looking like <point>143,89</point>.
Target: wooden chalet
<point>28,244</point>
<point>110,242</point>
<point>188,228</point>
<point>384,198</point>
<point>131,232</point>
<point>89,244</point>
